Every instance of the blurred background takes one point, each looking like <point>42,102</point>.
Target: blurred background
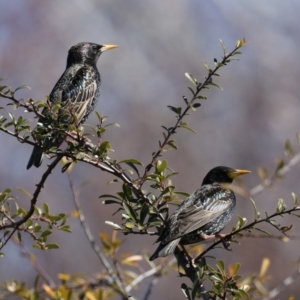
<point>244,126</point>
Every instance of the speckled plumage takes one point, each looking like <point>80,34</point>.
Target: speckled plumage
<point>78,91</point>
<point>204,213</point>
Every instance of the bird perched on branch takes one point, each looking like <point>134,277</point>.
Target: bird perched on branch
<point>77,92</point>
<point>203,214</point>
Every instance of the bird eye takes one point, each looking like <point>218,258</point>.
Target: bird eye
<point>95,47</point>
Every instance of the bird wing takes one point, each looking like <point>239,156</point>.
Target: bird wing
<point>200,208</point>
<point>76,93</point>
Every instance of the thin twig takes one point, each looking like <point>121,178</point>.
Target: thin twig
<point>149,273</point>
<point>249,226</point>
<point>269,181</point>
<point>36,265</point>
<point>172,130</point>
<point>150,287</point>
<point>283,285</point>
<point>92,240</point>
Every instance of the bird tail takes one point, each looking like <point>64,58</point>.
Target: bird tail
<point>165,249</point>
<point>36,157</point>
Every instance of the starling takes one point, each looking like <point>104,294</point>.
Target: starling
<point>203,214</point>
<point>77,91</point>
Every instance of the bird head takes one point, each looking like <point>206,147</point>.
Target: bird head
<point>223,175</point>
<point>87,53</point>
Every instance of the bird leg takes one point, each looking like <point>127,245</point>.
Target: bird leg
<point>191,260</point>
<point>221,236</point>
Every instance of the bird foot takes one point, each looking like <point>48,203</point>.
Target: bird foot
<point>225,243</point>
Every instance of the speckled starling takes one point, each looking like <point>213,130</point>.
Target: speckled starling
<point>77,90</point>
<point>203,214</point>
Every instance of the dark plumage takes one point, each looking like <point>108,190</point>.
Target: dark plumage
<point>203,214</point>
<point>78,91</point>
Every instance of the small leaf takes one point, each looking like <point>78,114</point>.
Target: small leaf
<point>221,266</point>
<point>223,47</point>
<point>52,246</point>
<point>264,267</point>
<point>185,125</point>
<point>262,173</point>
<point>113,224</point>
<point>132,160</point>
<point>130,211</point>
<point>176,110</point>
<point>186,291</point>
<point>105,202</point>
<point>129,225</point>
<point>257,213</point>
<point>161,166</point>
<point>262,231</point>
<point>191,78</point>
<point>109,196</point>
<point>46,208</point>
<point>295,199</point>
<point>22,87</point>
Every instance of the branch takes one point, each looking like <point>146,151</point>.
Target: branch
<point>172,130</point>
<point>247,227</point>
<point>36,265</point>
<point>33,201</point>
<point>93,243</point>
<point>156,271</point>
<point>269,181</point>
<point>150,287</point>
<point>192,272</point>
<point>284,284</point>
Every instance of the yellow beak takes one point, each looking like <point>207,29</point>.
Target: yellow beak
<point>108,47</point>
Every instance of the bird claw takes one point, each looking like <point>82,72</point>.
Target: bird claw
<point>226,245</point>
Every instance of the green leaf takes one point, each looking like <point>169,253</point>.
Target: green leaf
<point>19,237</point>
<point>207,67</point>
<point>127,191</point>
<point>223,47</point>
<point>193,93</point>
<point>191,78</point>
<point>130,211</point>
<point>295,199</point>
<point>144,212</point>
<point>66,166</point>
<point>182,194</point>
<point>216,85</point>
<point>112,124</point>
<point>52,246</point>
<point>161,166</point>
<point>22,87</point>
<point>171,143</point>
<point>257,213</point>
<point>129,225</point>
<point>262,231</point>
<point>176,110</point>
<point>46,233</point>
<point>106,202</point>
<point>46,208</point>
<point>186,291</point>
<point>109,196</point>
<point>185,125</point>
<point>131,160</point>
